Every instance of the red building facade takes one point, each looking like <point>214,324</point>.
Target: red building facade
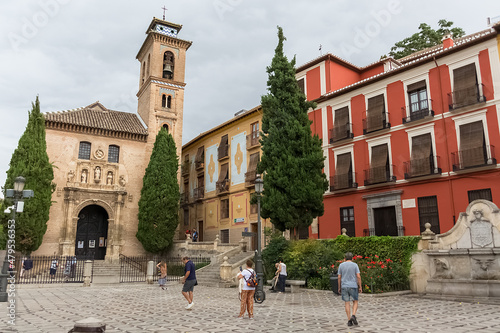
<point>407,141</point>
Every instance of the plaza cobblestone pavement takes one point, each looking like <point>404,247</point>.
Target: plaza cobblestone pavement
<point>146,308</point>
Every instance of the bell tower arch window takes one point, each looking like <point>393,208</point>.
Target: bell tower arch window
<point>163,101</point>
<point>165,126</point>
<point>143,71</point>
<point>168,65</point>
<point>169,101</point>
<point>148,65</point>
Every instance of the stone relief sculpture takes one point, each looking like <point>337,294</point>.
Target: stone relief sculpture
<point>84,176</point>
<point>97,174</point>
<point>442,269</point>
<point>71,176</point>
<point>480,229</point>
<point>109,178</point>
<point>122,181</point>
<point>484,269</point>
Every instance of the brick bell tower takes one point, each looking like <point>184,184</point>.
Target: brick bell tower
<point>161,82</point>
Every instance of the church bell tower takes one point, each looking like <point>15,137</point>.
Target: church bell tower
<point>161,83</point>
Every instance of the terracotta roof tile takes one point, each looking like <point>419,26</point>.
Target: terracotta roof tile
<point>98,117</point>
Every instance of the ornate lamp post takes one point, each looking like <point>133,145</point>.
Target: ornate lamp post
<point>260,295</point>
<point>17,194</point>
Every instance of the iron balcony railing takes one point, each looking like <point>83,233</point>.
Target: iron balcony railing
<point>342,182</point>
<point>36,269</point>
<point>222,186</point>
<point>199,193</point>
<point>250,178</point>
<point>223,152</point>
<point>253,140</point>
<point>341,132</point>
<point>373,123</point>
<point>199,164</point>
<point>473,158</point>
<point>378,175</point>
<point>185,198</point>
<point>413,112</point>
<point>466,96</point>
<point>422,167</point>
<point>185,168</point>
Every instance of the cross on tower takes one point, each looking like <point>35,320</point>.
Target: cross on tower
<point>164,9</point>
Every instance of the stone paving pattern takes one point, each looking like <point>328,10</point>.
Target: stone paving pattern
<point>146,308</point>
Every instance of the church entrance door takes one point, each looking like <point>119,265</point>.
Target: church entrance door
<point>92,232</point>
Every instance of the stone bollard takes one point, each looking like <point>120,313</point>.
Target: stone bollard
<point>344,232</point>
<point>225,270</point>
<point>150,272</point>
<point>87,273</point>
<point>88,325</point>
<point>427,237</point>
<point>243,245</point>
<point>216,241</point>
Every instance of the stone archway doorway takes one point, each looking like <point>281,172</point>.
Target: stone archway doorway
<point>92,232</point>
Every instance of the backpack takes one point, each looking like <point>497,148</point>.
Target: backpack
<point>252,280</point>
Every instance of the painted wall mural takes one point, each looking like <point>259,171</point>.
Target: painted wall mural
<point>238,158</point>
<point>212,172</point>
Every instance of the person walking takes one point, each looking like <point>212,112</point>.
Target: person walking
<point>247,292</point>
<point>189,281</point>
<point>162,265</point>
<point>195,235</point>
<point>350,287</point>
<point>282,276</point>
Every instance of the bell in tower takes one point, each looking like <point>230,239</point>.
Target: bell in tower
<point>168,65</point>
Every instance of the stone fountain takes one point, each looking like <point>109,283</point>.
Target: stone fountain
<point>465,261</point>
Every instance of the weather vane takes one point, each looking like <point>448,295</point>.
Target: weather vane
<point>164,9</point>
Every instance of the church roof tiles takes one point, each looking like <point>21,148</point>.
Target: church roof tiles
<point>98,117</point>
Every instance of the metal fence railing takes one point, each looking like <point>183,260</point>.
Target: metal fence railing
<point>134,269</point>
<point>48,269</point>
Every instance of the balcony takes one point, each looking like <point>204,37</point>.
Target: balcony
<point>422,167</point>
<point>199,193</point>
<point>250,178</point>
<point>342,132</point>
<point>467,96</point>
<point>375,122</point>
<point>473,158</point>
<point>415,113</point>
<point>223,152</point>
<point>379,175</point>
<point>199,165</point>
<point>184,199</point>
<point>342,182</point>
<point>222,186</point>
<point>185,168</point>
<point>252,141</point>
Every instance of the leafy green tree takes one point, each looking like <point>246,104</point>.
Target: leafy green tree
<point>425,38</point>
<point>31,161</point>
<point>292,159</point>
<point>159,202</point>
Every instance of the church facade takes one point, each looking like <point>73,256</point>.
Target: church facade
<point>100,155</point>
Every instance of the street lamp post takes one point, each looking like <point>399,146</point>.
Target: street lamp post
<point>260,295</point>
<point>17,194</point>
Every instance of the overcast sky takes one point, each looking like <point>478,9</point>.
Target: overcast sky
<point>72,53</point>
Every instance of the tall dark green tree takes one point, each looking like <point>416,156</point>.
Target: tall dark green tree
<point>292,159</point>
<point>31,161</point>
<point>159,202</point>
<point>425,38</point>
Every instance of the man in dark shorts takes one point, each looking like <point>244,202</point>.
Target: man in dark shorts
<point>189,281</point>
<point>350,287</point>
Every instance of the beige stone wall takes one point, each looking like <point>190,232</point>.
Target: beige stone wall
<point>62,148</point>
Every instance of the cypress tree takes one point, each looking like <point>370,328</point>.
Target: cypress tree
<point>31,161</point>
<point>292,159</point>
<point>159,202</point>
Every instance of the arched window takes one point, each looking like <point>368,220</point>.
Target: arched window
<point>143,71</point>
<point>165,126</point>
<point>168,65</point>
<point>113,154</point>
<point>84,152</point>
<point>163,101</point>
<point>148,65</point>
<point>169,101</point>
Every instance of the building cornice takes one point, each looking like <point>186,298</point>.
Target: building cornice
<point>53,125</point>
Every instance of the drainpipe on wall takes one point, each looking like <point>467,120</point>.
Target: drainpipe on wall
<point>446,135</point>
